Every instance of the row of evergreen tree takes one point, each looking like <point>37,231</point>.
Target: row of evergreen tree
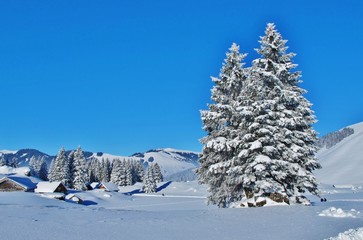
<point>260,139</point>
<point>76,173</point>
<point>11,163</point>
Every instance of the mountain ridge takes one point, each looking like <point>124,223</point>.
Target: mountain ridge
<point>342,163</point>
<point>173,162</point>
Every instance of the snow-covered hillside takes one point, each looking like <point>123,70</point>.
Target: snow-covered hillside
<point>343,162</point>
<point>171,161</point>
<point>176,165</point>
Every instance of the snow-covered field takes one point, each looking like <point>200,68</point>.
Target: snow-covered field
<point>179,210</point>
<point>180,214</point>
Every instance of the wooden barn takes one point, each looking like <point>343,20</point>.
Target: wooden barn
<point>74,198</point>
<point>109,187</point>
<point>14,183</point>
<point>52,190</point>
<point>51,187</point>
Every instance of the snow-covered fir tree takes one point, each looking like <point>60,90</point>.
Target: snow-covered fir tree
<point>260,142</point>
<point>94,170</point>
<point>71,170</point>
<point>139,172</point>
<point>33,166</point>
<point>105,170</point>
<point>60,170</point>
<point>116,174</point>
<point>221,122</point>
<point>157,173</point>
<point>38,168</point>
<point>149,181</point>
<point>278,147</point>
<point>2,161</point>
<point>14,162</point>
<point>43,169</point>
<point>79,174</point>
<point>129,173</point>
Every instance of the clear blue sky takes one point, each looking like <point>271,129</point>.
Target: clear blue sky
<point>128,76</point>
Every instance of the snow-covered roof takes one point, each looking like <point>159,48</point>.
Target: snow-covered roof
<point>47,187</point>
<point>73,197</point>
<point>95,185</point>
<point>24,182</point>
<point>109,186</point>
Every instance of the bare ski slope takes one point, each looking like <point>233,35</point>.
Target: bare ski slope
<point>343,163</point>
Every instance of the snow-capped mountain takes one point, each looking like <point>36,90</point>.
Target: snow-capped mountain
<point>23,156</point>
<point>177,165</point>
<point>342,163</point>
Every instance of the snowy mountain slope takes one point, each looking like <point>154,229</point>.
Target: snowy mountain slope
<point>171,161</point>
<point>343,162</point>
<point>23,156</point>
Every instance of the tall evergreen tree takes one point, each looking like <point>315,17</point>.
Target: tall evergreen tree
<point>220,122</point>
<point>94,169</point>
<point>14,162</point>
<point>278,150</point>
<point>43,169</point>
<point>80,175</point>
<point>129,173</point>
<point>60,168</point>
<point>71,169</point>
<point>157,173</point>
<point>116,174</point>
<point>33,166</point>
<point>106,170</point>
<point>260,139</point>
<point>38,168</point>
<point>149,181</point>
<point>2,161</point>
<point>139,172</point>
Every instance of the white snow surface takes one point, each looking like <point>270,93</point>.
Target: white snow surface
<point>343,163</point>
<point>177,211</point>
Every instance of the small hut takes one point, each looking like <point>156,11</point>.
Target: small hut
<point>16,183</point>
<point>109,187</point>
<point>74,198</point>
<point>94,185</point>
<point>52,190</point>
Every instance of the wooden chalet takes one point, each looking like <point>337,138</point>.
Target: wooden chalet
<point>15,183</point>
<point>108,187</point>
<point>74,198</point>
<point>51,187</point>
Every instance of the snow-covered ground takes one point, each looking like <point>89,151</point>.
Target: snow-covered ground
<point>179,210</point>
<point>180,214</point>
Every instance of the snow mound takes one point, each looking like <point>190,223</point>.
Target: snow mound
<point>338,213</point>
<point>351,234</point>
